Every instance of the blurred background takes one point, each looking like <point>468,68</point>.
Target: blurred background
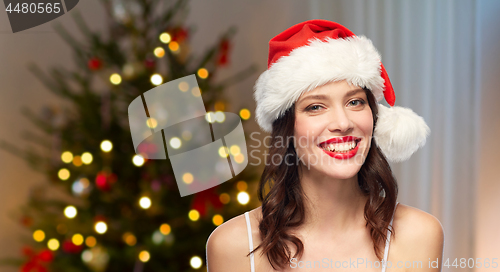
<point>114,212</point>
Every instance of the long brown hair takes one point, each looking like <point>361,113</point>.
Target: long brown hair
<point>283,206</point>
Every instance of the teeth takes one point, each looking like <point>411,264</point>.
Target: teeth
<point>340,147</point>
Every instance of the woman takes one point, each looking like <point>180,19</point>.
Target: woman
<point>331,203</point>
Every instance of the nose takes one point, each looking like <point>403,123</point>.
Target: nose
<point>340,121</point>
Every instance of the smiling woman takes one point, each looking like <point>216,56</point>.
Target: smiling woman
<point>333,194</point>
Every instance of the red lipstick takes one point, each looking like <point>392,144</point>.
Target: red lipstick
<point>341,155</point>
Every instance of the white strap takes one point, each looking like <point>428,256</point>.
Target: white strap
<point>387,241</point>
<point>250,242</point>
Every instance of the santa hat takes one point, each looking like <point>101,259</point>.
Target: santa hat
<point>316,52</point>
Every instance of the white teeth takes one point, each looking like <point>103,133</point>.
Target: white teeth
<point>340,147</point>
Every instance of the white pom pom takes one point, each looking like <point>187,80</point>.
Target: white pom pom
<point>399,132</point>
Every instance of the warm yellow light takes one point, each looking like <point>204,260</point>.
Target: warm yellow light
<point>243,198</point>
<point>101,227</point>
<point>175,142</point>
<point>151,122</point>
<point>67,157</point>
<point>115,79</point>
<point>53,244</point>
<point>224,198</point>
<point>165,229</point>
<point>173,46</point>
<point>156,79</point>
<point>63,174</point>
<point>106,145</point>
<point>70,212</point>
<point>217,219</point>
<point>165,37</point>
<point>235,150</point>
<point>239,158</point>
<point>77,161</point>
<point>129,238</point>
<point>186,135</point>
<point>195,262</point>
<point>90,241</point>
<point>220,116</point>
<point>87,158</point>
<point>203,73</point>
<point>194,215</point>
<point>241,185</point>
<point>138,160</point>
<point>223,152</point>
<point>187,178</point>
<point>184,86</point>
<point>196,91</point>
<point>210,117</point>
<point>77,239</point>
<point>39,235</point>
<point>144,256</point>
<point>159,52</point>
<point>244,114</point>
<point>219,106</point>
<point>145,202</point>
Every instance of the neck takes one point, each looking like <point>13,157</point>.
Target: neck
<point>332,205</point>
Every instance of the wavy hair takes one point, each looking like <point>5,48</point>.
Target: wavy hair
<point>283,205</point>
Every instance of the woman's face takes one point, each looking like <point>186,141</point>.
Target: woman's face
<point>324,118</point>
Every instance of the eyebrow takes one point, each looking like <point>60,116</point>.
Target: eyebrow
<point>322,96</point>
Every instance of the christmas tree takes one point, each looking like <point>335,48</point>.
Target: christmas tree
<point>122,212</point>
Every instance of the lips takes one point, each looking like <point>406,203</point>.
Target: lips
<point>345,139</point>
<point>341,155</point>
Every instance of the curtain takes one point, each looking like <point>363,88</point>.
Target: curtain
<point>429,50</point>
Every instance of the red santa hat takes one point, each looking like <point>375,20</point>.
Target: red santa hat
<point>316,52</point>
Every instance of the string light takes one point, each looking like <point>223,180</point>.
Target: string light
<point>195,262</point>
<point>87,256</point>
<point>165,229</point>
<point>187,178</point>
<point>223,152</point>
<point>241,185</point>
<point>87,158</point>
<point>66,156</point>
<point>53,244</point>
<point>39,235</point>
<point>243,198</point>
<point>144,256</point>
<point>101,227</point>
<point>90,241</point>
<point>151,122</point>
<point>194,215</point>
<point>239,158</point>
<point>156,79</point>
<point>203,73</point>
<point>77,161</point>
<point>138,160</point>
<point>184,86</point>
<point>115,79</point>
<point>220,116</point>
<point>235,150</point>
<point>175,142</point>
<point>165,37</point>
<point>173,46</point>
<point>129,238</point>
<point>106,145</point>
<point>224,198</point>
<point>77,239</point>
<point>217,219</point>
<point>244,114</point>
<point>70,212</point>
<point>159,52</point>
<point>63,174</point>
<point>145,202</point>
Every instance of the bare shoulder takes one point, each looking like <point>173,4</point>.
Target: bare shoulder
<point>418,235</point>
<point>227,246</point>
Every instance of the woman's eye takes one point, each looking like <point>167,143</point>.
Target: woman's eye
<point>361,101</point>
<point>313,108</point>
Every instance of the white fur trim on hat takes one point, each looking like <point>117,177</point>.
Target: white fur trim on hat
<point>354,59</point>
<point>399,132</point>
